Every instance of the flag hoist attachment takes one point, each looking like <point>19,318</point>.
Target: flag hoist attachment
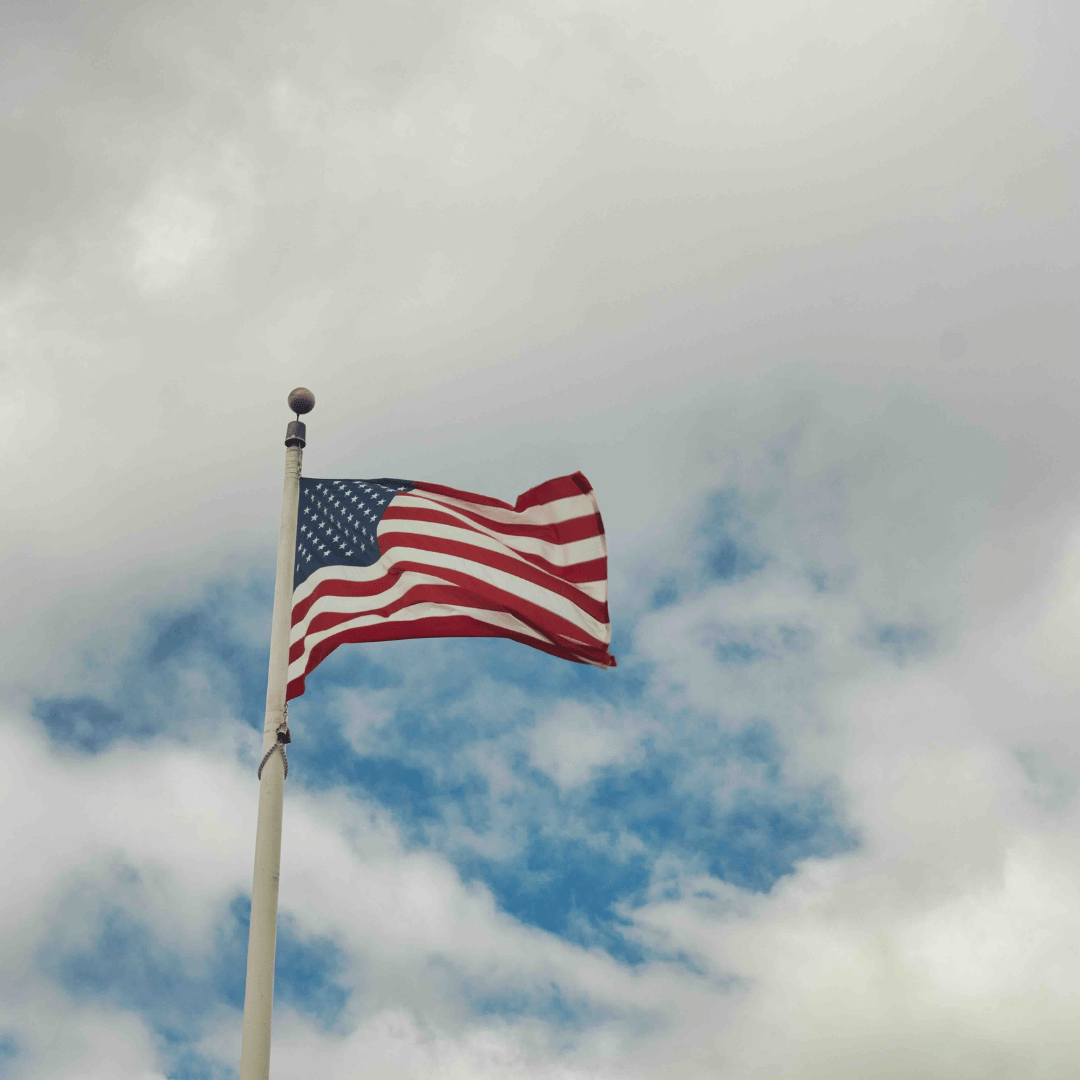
<point>274,767</point>
<point>283,736</point>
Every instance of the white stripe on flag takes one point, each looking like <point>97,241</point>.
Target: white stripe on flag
<point>576,551</point>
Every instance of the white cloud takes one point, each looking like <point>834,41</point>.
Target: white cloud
<point>571,742</point>
<point>175,232</point>
<point>686,249</point>
<point>366,714</point>
<point>73,1042</point>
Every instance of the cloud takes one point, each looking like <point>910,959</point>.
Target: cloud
<point>571,744</point>
<point>795,286</point>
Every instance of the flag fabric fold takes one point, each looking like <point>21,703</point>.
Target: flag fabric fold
<point>382,560</point>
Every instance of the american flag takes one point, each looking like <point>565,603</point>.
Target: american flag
<point>381,560</point>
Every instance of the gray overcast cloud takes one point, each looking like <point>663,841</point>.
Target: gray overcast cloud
<point>795,286</point>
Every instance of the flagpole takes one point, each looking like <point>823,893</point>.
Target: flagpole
<point>262,933</point>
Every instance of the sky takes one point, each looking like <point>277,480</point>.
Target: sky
<point>795,286</point>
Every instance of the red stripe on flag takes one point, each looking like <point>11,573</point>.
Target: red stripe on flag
<point>465,591</point>
<point>493,559</point>
<point>441,626</point>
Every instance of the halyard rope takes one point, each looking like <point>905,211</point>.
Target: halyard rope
<point>283,737</point>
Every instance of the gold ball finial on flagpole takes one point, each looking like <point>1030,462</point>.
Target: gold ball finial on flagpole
<point>301,401</point>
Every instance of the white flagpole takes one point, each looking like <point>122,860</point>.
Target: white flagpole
<point>262,935</point>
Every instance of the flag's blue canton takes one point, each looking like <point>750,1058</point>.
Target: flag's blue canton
<point>337,522</point>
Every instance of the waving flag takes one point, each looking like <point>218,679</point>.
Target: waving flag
<point>381,560</point>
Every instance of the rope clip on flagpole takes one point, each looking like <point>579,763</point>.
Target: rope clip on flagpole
<point>262,932</point>
<point>283,736</point>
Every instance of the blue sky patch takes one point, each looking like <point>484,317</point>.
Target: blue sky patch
<point>9,1050</point>
<point>729,552</point>
<point>903,641</point>
<point>571,865</point>
<point>551,1004</point>
<point>83,723</point>
<point>306,967</point>
<point>125,965</point>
